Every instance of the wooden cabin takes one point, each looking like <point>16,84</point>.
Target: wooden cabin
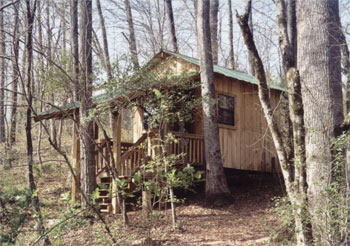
<point>245,139</point>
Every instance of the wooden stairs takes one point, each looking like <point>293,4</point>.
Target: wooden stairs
<point>105,194</point>
<point>132,158</point>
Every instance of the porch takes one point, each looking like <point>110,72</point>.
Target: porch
<point>116,158</point>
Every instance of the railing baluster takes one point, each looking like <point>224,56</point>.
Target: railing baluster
<point>190,151</point>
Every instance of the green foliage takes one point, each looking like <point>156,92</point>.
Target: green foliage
<point>57,76</point>
<point>14,210</point>
<point>337,194</point>
<point>284,233</point>
<point>162,172</point>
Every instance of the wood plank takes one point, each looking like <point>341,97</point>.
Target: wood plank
<point>116,135</point>
<point>76,161</point>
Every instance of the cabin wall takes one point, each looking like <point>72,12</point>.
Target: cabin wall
<point>137,121</point>
<point>248,144</point>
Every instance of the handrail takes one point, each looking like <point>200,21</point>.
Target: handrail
<point>187,135</point>
<point>190,144</point>
<point>131,160</point>
<point>134,154</point>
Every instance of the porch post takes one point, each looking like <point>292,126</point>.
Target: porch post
<point>116,134</point>
<point>76,160</point>
<point>95,129</point>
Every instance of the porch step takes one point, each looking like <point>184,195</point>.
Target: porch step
<point>106,180</point>
<point>105,207</point>
<point>105,192</point>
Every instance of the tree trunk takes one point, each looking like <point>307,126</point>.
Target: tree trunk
<point>2,75</point>
<point>15,68</point>
<point>76,91</point>
<point>295,184</point>
<point>216,189</point>
<point>88,176</point>
<point>29,42</point>
<point>49,55</point>
<point>107,61</point>
<point>213,22</point>
<point>75,48</point>
<point>169,9</point>
<point>346,71</point>
<point>318,61</point>
<point>40,88</point>
<point>346,68</point>
<point>231,58</point>
<point>250,59</point>
<point>132,39</point>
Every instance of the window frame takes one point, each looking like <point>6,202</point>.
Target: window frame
<point>223,125</point>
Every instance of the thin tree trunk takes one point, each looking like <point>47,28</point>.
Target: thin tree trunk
<point>41,69</point>
<point>64,27</point>
<point>231,58</point>
<point>107,61</point>
<point>75,48</point>
<point>169,9</point>
<point>251,59</point>
<point>76,91</point>
<point>317,24</point>
<point>346,67</point>
<point>2,75</point>
<point>213,22</point>
<point>346,71</point>
<point>88,176</point>
<point>59,135</point>
<point>295,184</point>
<point>173,209</point>
<point>14,86</point>
<point>216,189</point>
<point>29,34</point>
<point>49,55</point>
<point>132,38</point>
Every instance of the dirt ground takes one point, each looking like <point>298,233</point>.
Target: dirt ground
<point>248,221</point>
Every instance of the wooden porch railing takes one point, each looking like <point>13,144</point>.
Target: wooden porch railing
<point>191,144</point>
<point>133,155</point>
<point>131,160</point>
<point>102,156</point>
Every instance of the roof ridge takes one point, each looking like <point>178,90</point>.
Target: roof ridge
<point>215,65</point>
<point>232,73</point>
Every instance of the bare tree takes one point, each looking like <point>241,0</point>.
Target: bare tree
<point>317,24</point>
<point>346,68</point>
<point>250,58</point>
<point>49,55</point>
<point>2,75</point>
<point>15,74</point>
<point>75,48</point>
<point>216,189</point>
<point>106,59</point>
<point>231,58</point>
<point>169,9</point>
<point>213,22</point>
<point>30,12</point>
<point>88,176</point>
<point>293,170</point>
<point>132,38</point>
<point>76,93</point>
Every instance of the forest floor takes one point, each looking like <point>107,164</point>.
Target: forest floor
<point>250,220</point>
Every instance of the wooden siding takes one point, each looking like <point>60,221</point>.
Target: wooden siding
<point>247,145</point>
<point>137,123</point>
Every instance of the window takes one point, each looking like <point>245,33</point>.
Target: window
<point>226,110</point>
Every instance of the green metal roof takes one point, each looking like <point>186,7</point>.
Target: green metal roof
<point>226,71</point>
<point>106,97</point>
